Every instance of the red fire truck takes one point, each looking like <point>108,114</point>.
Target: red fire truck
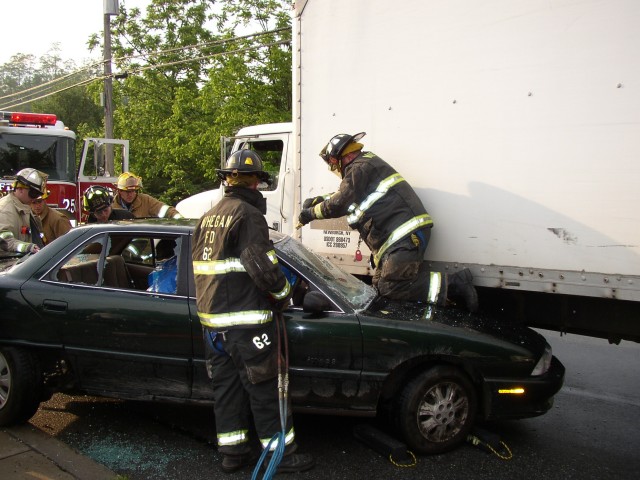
<point>41,141</point>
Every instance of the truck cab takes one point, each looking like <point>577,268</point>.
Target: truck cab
<point>273,143</point>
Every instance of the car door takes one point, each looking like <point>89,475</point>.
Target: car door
<point>325,349</point>
<point>120,338</point>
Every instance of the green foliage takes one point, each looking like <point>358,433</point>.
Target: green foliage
<point>180,101</point>
<point>30,85</point>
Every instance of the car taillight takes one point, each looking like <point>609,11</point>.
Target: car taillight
<point>544,363</point>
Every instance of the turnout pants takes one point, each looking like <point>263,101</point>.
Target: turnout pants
<point>242,365</point>
<point>404,275</point>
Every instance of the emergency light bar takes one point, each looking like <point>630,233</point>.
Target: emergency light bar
<point>20,118</point>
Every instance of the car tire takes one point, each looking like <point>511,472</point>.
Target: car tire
<point>20,386</point>
<point>436,410</point>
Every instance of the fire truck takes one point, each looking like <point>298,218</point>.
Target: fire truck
<point>41,141</point>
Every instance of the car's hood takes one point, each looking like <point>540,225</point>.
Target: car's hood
<point>504,329</point>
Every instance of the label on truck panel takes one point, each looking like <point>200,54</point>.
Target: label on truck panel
<point>336,238</point>
<point>332,238</point>
<point>335,233</point>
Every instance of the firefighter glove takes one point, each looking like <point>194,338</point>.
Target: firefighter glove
<point>306,216</point>
<point>312,202</point>
<point>282,305</point>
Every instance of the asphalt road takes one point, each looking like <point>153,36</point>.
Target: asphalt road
<point>592,431</point>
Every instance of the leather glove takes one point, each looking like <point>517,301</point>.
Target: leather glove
<point>311,202</point>
<point>282,305</point>
<point>306,216</point>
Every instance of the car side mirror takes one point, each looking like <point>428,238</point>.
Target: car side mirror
<point>315,302</point>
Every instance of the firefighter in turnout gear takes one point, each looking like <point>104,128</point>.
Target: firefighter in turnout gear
<point>140,204</point>
<point>20,229</point>
<point>54,222</point>
<point>392,222</point>
<point>97,201</point>
<point>238,284</point>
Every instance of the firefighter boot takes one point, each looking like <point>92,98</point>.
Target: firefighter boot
<point>460,287</point>
<point>296,462</point>
<point>232,463</point>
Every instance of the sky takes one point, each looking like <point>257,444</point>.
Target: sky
<point>33,26</point>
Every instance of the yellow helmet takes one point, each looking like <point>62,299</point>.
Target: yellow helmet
<point>129,181</point>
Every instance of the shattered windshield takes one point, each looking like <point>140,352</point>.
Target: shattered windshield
<point>344,285</point>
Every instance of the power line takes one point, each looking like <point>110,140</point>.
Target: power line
<point>79,84</point>
<point>146,55</point>
<point>149,67</point>
<point>50,82</point>
<point>204,57</point>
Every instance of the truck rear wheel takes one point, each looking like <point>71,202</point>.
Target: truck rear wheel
<point>20,386</point>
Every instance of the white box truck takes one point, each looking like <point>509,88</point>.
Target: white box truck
<point>517,122</point>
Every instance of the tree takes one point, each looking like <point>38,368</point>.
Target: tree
<point>187,85</point>
<point>30,85</point>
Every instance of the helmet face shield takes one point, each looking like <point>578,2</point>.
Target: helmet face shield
<point>335,148</point>
<point>326,156</point>
<point>324,153</point>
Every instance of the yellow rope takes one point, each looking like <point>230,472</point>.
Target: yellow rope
<point>508,456</point>
<point>401,465</point>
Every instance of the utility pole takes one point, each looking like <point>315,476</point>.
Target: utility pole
<point>111,7</point>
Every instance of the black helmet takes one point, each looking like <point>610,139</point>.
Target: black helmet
<point>243,161</point>
<point>337,144</point>
<point>96,197</point>
<point>32,179</point>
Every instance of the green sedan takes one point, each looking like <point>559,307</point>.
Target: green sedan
<point>99,312</point>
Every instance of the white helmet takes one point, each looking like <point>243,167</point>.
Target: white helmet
<point>32,178</point>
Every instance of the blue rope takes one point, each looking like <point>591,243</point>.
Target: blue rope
<point>276,457</point>
<point>280,437</point>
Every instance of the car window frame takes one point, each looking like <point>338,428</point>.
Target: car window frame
<point>105,239</point>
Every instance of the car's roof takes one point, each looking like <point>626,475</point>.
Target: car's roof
<point>141,224</point>
<point>167,225</point>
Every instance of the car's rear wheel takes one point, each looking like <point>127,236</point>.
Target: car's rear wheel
<point>20,386</point>
<point>436,410</point>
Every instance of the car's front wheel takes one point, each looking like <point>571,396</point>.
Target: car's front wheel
<point>436,410</point>
<point>20,386</point>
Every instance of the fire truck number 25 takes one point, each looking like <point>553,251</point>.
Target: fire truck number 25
<point>69,204</point>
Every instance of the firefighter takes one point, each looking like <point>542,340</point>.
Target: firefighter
<point>20,229</point>
<point>97,201</point>
<point>392,222</point>
<point>140,204</point>
<point>54,222</point>
<point>237,278</point>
